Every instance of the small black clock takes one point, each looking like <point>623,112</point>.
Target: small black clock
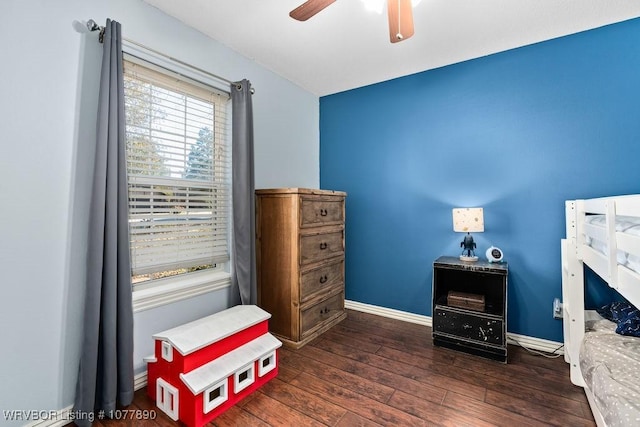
<point>494,254</point>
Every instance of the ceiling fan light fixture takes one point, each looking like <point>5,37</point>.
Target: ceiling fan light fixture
<point>377,6</point>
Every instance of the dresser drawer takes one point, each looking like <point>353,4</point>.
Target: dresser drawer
<point>317,247</point>
<point>317,314</point>
<point>326,277</point>
<point>317,211</point>
<point>478,328</point>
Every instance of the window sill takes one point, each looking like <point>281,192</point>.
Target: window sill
<point>178,289</point>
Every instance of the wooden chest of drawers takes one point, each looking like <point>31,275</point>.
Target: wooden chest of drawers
<point>300,260</point>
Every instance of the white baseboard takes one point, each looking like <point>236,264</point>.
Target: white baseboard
<point>534,343</point>
<point>53,418</point>
<point>521,340</point>
<point>388,312</point>
<point>140,380</point>
<point>65,416</point>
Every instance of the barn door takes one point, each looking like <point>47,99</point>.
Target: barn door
<point>167,398</point>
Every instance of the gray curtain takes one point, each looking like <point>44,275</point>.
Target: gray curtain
<point>105,377</point>
<point>244,244</point>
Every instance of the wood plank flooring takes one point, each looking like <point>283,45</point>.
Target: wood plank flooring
<point>372,371</point>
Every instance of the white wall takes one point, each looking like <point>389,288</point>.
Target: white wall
<point>48,95</point>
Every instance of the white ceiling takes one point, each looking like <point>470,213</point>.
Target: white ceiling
<point>346,46</point>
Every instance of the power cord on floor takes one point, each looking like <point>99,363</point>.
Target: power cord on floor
<point>551,355</point>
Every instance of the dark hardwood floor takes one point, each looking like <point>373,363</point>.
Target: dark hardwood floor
<point>370,371</point>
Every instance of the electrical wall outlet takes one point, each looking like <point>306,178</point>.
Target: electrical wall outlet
<point>557,309</point>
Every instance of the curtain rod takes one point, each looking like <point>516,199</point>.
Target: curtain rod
<point>93,26</point>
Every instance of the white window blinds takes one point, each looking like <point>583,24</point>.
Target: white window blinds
<point>178,165</point>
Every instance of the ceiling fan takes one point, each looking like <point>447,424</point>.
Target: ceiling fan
<point>400,14</point>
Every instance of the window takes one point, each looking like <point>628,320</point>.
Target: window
<point>167,351</point>
<point>243,378</point>
<point>215,396</point>
<point>178,166</point>
<point>267,363</point>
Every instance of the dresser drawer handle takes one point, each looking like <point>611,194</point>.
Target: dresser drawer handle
<point>324,310</point>
<point>323,279</point>
<point>323,212</point>
<point>323,246</point>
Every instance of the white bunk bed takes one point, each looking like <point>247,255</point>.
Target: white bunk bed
<point>603,234</point>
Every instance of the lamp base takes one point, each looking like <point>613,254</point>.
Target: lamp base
<point>468,258</point>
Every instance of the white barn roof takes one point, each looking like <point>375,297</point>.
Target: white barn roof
<point>200,333</point>
<point>200,378</point>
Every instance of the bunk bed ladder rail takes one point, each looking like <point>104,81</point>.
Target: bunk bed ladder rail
<point>573,292</point>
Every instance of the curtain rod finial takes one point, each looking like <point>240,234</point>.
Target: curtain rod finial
<point>92,25</point>
<point>239,87</point>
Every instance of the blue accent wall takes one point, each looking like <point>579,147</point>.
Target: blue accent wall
<point>517,133</point>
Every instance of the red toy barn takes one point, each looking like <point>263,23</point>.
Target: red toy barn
<point>202,368</point>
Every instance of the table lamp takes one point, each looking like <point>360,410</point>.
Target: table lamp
<point>467,220</point>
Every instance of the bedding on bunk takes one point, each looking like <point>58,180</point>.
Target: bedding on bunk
<point>610,365</point>
<point>624,224</point>
<point>625,315</point>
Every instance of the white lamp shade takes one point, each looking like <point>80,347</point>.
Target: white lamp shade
<point>467,220</point>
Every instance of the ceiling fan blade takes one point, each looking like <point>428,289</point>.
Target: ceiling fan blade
<point>309,8</point>
<point>400,20</point>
